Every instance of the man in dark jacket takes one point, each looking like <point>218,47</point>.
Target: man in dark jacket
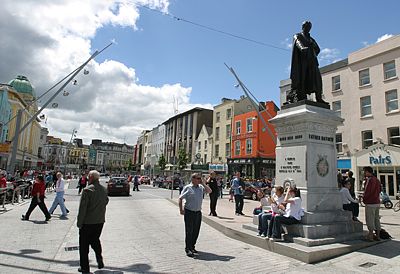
<point>91,218</point>
<point>371,198</point>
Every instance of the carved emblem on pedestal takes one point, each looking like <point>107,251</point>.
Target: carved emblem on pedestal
<point>322,165</point>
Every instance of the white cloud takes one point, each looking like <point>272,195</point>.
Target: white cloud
<point>48,39</point>
<point>328,56</point>
<point>383,37</point>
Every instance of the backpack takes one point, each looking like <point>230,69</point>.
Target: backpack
<point>384,235</point>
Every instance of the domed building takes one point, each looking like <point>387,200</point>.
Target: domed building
<point>15,96</point>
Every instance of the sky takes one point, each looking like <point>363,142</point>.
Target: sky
<point>156,59</point>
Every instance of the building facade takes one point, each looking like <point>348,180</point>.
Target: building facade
<point>204,146</point>
<point>20,95</point>
<point>253,143</point>
<point>222,129</point>
<point>181,131</point>
<point>364,90</point>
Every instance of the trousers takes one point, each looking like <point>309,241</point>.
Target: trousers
<point>239,203</point>
<point>89,234</point>
<point>213,202</point>
<point>192,227</point>
<point>41,205</point>
<point>59,200</point>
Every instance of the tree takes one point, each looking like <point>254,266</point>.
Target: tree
<point>182,159</point>
<point>161,162</point>
<point>130,166</point>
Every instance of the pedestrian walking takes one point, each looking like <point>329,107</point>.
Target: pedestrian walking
<point>91,219</point>
<point>212,183</point>
<point>38,190</point>
<point>59,199</point>
<point>238,189</point>
<point>371,199</point>
<point>82,183</point>
<point>193,196</point>
<point>136,183</point>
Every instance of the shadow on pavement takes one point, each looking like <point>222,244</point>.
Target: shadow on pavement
<point>224,218</point>
<point>388,250</point>
<point>29,251</point>
<point>38,222</point>
<point>206,256</point>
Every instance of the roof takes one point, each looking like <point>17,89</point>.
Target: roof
<point>185,113</point>
<point>334,66</point>
<point>22,85</point>
<point>209,130</point>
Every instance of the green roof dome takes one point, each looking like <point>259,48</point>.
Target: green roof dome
<point>22,85</point>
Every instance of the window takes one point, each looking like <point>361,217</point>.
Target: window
<point>394,136</point>
<point>238,125</point>
<point>228,149</point>
<point>339,147</point>
<point>228,113</point>
<point>205,145</point>
<point>228,131</point>
<point>337,107</point>
<point>367,138</point>
<point>205,158</point>
<point>249,146</point>
<point>216,151</point>
<point>392,102</point>
<point>364,77</point>
<point>365,106</point>
<point>336,83</point>
<point>249,124</point>
<point>217,117</point>
<point>237,148</point>
<point>217,133</point>
<point>389,70</point>
<point>199,147</point>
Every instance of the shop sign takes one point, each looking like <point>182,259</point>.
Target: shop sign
<point>5,148</point>
<point>217,167</point>
<point>380,160</point>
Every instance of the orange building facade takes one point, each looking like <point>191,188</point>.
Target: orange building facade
<point>253,143</point>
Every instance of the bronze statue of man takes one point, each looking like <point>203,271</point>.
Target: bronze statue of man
<point>305,75</point>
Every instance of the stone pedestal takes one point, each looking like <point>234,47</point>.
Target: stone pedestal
<point>306,153</point>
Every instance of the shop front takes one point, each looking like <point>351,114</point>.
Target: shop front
<point>254,168</point>
<point>385,161</point>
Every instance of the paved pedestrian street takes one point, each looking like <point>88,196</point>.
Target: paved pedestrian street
<point>144,233</point>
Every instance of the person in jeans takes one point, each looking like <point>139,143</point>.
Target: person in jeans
<point>292,215</point>
<point>213,184</point>
<point>90,221</point>
<point>371,198</point>
<point>59,199</point>
<point>38,190</point>
<point>265,230</point>
<point>238,189</point>
<point>349,203</point>
<point>193,196</point>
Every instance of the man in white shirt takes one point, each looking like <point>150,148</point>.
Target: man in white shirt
<point>59,199</point>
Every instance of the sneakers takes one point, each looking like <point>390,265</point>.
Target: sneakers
<point>48,218</point>
<point>189,253</point>
<point>23,218</point>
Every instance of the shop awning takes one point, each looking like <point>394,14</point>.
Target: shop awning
<point>344,164</point>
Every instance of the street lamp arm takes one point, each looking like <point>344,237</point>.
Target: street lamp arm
<point>255,105</point>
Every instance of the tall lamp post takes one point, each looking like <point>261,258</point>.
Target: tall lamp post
<point>170,148</point>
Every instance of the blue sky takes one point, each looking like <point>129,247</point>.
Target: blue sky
<point>164,50</point>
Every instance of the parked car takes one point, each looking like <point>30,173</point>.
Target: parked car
<point>144,180</point>
<point>118,185</point>
<point>250,191</point>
